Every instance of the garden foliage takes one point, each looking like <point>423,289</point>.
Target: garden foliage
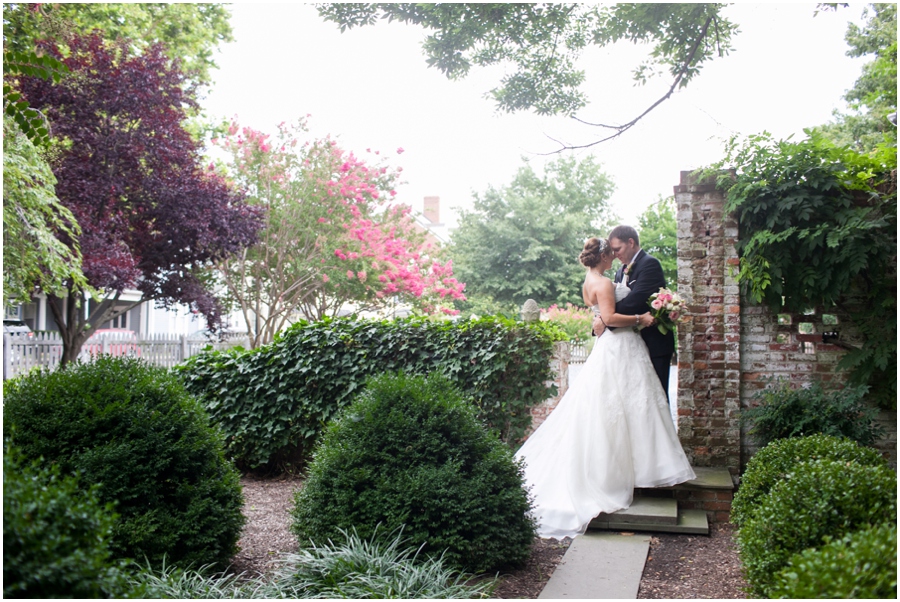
<point>784,412</point>
<point>861,565</point>
<point>378,567</point>
<point>272,402</point>
<point>132,430</point>
<point>817,501</point>
<point>333,234</point>
<point>55,534</point>
<point>818,229</point>
<point>410,452</point>
<point>779,458</point>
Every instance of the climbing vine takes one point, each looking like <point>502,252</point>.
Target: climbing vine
<point>818,228</point>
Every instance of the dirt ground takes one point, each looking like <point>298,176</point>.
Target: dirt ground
<point>678,566</point>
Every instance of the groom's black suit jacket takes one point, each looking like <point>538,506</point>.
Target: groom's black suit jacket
<point>645,278</point>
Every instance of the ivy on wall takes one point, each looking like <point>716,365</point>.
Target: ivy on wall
<point>272,402</point>
<point>818,228</point>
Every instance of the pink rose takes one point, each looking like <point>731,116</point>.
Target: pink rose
<point>656,304</point>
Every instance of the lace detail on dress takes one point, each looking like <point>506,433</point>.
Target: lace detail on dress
<point>622,291</point>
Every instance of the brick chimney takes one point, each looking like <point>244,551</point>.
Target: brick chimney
<point>432,210</point>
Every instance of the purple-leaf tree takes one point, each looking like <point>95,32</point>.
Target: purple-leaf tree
<point>152,218</point>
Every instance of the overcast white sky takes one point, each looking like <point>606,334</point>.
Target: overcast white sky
<point>370,88</point>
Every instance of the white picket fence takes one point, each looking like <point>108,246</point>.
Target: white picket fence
<point>22,352</point>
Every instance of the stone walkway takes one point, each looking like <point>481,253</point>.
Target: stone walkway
<point>600,566</point>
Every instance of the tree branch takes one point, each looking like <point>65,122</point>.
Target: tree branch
<point>621,129</point>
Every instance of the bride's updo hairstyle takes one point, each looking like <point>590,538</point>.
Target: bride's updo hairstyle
<point>594,249</point>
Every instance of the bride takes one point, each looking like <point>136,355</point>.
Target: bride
<point>612,430</point>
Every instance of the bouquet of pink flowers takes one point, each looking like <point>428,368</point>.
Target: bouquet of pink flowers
<point>668,309</point>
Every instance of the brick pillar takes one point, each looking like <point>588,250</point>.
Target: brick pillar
<point>709,340</point>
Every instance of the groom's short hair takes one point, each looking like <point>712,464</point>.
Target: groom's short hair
<point>623,233</point>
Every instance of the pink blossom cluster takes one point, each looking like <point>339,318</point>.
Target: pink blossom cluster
<point>369,246</point>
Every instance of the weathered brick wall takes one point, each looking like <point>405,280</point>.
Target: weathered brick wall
<point>709,339</point>
<point>729,347</point>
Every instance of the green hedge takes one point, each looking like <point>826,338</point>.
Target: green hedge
<point>272,402</point>
<point>817,500</point>
<point>55,535</point>
<point>773,462</point>
<point>133,430</point>
<point>409,453</point>
<point>861,565</point>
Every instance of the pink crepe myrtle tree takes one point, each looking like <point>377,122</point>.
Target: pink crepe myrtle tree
<point>333,234</point>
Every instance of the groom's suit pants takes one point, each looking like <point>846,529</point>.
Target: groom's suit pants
<point>661,365</point>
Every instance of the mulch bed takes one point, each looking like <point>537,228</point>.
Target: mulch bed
<point>678,566</point>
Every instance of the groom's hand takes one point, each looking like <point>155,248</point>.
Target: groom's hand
<point>597,327</point>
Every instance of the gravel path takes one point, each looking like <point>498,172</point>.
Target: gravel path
<point>678,566</point>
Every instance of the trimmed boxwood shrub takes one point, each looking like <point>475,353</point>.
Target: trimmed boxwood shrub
<point>815,501</point>
<point>272,402</point>
<point>134,431</point>
<point>782,412</point>
<point>861,565</point>
<point>773,462</point>
<point>409,452</point>
<point>55,535</point>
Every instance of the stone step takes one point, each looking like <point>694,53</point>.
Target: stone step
<point>644,510</point>
<point>708,477</point>
<point>693,522</point>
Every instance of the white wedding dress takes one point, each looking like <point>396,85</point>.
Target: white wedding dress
<point>611,432</point>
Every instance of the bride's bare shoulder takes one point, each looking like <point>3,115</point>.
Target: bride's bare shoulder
<point>605,283</point>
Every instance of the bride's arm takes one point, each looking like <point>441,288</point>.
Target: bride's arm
<point>606,297</point>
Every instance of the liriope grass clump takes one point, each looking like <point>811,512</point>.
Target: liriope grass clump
<point>410,453</point>
<point>380,567</point>
<point>383,566</point>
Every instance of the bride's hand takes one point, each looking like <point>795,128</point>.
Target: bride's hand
<point>646,320</point>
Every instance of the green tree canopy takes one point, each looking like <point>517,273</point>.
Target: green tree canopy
<point>522,241</point>
<point>33,219</point>
<point>659,234</point>
<point>874,95</point>
<point>542,42</point>
<point>191,32</point>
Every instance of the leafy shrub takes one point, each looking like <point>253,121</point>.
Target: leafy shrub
<point>785,412</point>
<point>55,535</point>
<point>816,500</point>
<point>133,430</point>
<point>272,402</point>
<point>773,462</point>
<point>861,565</point>
<point>409,452</point>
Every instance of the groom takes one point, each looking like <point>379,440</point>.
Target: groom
<point>644,275</point>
